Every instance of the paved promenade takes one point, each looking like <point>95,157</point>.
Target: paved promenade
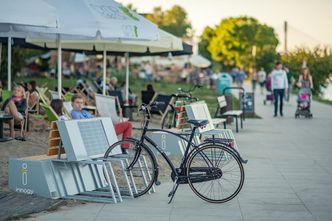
<point>288,177</point>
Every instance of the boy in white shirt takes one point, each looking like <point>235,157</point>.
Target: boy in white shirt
<point>279,84</point>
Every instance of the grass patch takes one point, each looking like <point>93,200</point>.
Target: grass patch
<point>321,100</point>
<point>50,82</point>
<point>137,85</point>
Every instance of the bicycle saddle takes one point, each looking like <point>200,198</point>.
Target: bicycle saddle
<point>198,123</point>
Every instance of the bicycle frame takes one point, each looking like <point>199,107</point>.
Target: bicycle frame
<point>162,152</point>
<point>144,137</point>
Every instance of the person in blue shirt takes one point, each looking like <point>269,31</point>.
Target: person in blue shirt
<point>77,102</point>
<point>124,128</point>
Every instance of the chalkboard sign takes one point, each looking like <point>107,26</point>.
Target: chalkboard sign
<point>248,100</point>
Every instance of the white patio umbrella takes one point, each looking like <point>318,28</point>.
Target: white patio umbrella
<point>199,61</point>
<point>166,43</point>
<point>34,15</point>
<point>97,20</point>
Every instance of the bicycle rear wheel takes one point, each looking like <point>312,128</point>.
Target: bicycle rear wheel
<point>215,173</point>
<point>144,172</point>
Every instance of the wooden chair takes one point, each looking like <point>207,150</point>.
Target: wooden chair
<point>55,146</point>
<point>42,95</point>
<point>51,115</point>
<point>33,107</point>
<point>68,96</point>
<point>87,92</point>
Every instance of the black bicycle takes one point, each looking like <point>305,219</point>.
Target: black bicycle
<point>212,169</point>
<point>184,97</point>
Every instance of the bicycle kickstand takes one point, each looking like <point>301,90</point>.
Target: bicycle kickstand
<point>173,191</point>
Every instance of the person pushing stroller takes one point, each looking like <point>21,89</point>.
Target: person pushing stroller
<point>304,97</point>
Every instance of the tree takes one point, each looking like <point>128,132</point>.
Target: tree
<point>174,20</point>
<point>19,57</point>
<point>233,39</point>
<point>18,61</point>
<point>207,35</point>
<point>319,61</point>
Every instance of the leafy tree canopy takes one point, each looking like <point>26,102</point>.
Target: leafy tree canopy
<point>231,43</point>
<point>174,20</point>
<point>319,61</point>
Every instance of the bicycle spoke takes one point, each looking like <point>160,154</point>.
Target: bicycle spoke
<point>222,178</point>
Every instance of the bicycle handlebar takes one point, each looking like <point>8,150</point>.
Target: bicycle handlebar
<point>147,107</point>
<point>191,89</point>
<point>182,95</point>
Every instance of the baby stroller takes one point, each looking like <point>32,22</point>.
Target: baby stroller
<point>269,95</point>
<point>303,103</point>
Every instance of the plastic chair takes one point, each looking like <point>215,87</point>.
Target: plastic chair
<point>106,106</point>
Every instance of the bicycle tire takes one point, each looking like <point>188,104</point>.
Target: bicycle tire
<point>203,168</point>
<point>147,161</point>
<point>167,122</point>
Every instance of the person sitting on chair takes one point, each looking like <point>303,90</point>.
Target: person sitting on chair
<point>33,94</point>
<point>57,106</point>
<point>124,128</point>
<point>131,96</point>
<point>15,106</point>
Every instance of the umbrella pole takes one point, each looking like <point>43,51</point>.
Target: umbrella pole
<point>59,66</point>
<point>9,66</point>
<point>127,78</point>
<point>104,71</point>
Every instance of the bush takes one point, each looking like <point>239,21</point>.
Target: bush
<point>319,61</point>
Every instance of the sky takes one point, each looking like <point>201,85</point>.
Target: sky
<point>310,21</point>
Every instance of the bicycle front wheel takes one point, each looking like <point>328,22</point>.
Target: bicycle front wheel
<point>215,173</point>
<point>143,172</point>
